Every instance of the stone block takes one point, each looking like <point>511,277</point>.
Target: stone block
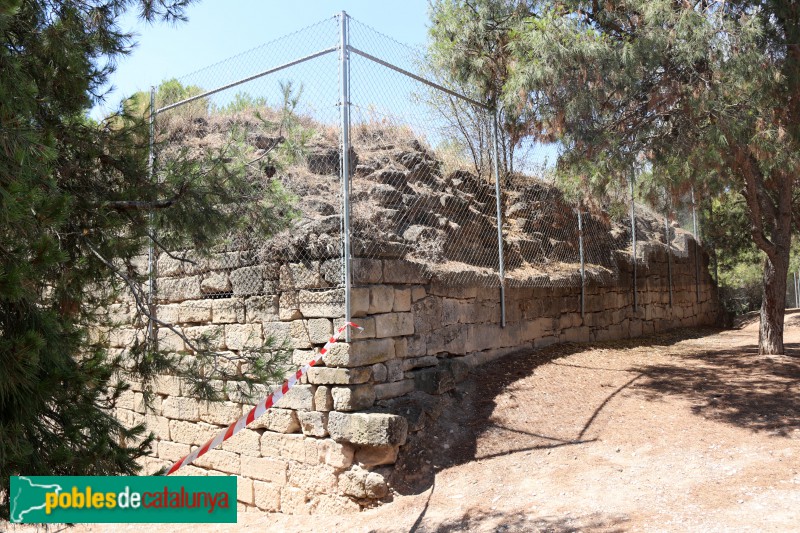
<point>294,501</point>
<point>313,423</point>
<point>359,301</point>
<point>321,304</point>
<point>402,300</point>
<point>315,479</point>
<point>267,496</point>
<point>221,413</point>
<point>196,433</point>
<point>376,455</point>
<point>283,446</point>
<point>247,281</point>
<point>372,429</point>
<point>170,266</point>
<point>243,336</point>
<point>367,270</point>
<point>379,372</point>
<point>299,397</point>
<point>301,276</point>
<point>375,486</point>
<point>278,420</point>
<point>172,451</point>
<point>227,311</point>
<point>338,376</point>
<point>360,353</point>
<point>418,293</point>
<point>279,331</point>
<point>246,442</point>
<point>323,399</point>
<point>215,283</point>
<point>220,460</point>
<point>404,272</point>
<point>159,425</point>
<point>434,380</point>
<point>351,483</point>
<point>332,504</point>
<point>262,308</point>
<point>179,289</point>
<point>244,490</point>
<point>394,325</point>
<point>336,454</point>
<point>169,340</point>
<point>304,333</point>
<point>178,408</point>
<point>265,469</point>
<point>384,391</point>
<point>355,398</point>
<point>210,337</point>
<point>381,299</point>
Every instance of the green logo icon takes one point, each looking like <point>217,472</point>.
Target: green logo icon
<point>109,499</point>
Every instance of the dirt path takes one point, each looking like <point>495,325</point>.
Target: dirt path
<point>689,431</point>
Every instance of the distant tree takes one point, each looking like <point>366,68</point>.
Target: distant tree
<point>703,93</point>
<point>76,201</point>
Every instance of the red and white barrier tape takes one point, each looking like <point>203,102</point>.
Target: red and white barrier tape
<point>261,407</point>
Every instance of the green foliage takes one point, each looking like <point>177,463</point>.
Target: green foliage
<point>76,204</point>
<point>242,102</point>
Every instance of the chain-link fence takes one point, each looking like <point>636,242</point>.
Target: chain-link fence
<point>378,156</point>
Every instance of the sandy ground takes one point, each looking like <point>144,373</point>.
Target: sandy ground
<point>689,431</point>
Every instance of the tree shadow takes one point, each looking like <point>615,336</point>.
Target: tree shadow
<point>455,422</point>
<point>497,521</point>
<point>734,386</point>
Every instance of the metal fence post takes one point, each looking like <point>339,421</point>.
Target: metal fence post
<point>696,249</point>
<point>501,259</point>
<point>668,238</point>
<point>344,76</point>
<point>151,260</point>
<point>583,268</point>
<point>633,234</point>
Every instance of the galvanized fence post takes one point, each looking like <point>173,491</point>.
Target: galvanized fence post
<point>501,259</point>
<point>633,234</point>
<point>668,239</point>
<point>151,259</point>
<point>696,249</point>
<point>583,266</point>
<point>344,77</point>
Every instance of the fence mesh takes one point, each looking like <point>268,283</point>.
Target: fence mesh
<point>422,182</point>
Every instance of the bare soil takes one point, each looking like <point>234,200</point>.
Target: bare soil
<point>688,431</point>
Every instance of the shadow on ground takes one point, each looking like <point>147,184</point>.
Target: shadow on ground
<point>519,521</point>
<point>735,386</point>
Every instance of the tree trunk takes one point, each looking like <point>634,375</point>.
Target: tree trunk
<point>773,304</point>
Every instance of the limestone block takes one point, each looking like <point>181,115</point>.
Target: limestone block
<point>338,376</point>
<point>402,300</point>
<point>319,304</point>
<point>376,455</point>
<point>265,469</point>
<point>367,270</point>
<point>215,283</point>
<point>384,391</point>
<point>332,504</point>
<point>374,429</point>
<point>401,347</point>
<point>279,331</point>
<point>396,271</point>
<point>351,483</point>
<point>360,353</point>
<point>304,333</point>
<point>267,496</point>
<point>359,301</point>
<point>228,311</point>
<point>262,308</point>
<point>244,490</point>
<point>299,397</point>
<point>179,289</point>
<point>381,299</point>
<point>323,399</point>
<point>416,345</point>
<point>169,340</point>
<point>313,423</point>
<point>336,454</point>
<point>283,446</point>
<point>375,486</point>
<point>246,442</point>
<point>353,398</point>
<point>159,425</point>
<point>172,451</point>
<point>219,460</point>
<point>316,479</point>
<point>125,337</point>
<point>394,325</point>
<point>210,337</point>
<point>434,380</point>
<point>247,281</point>
<point>221,413</point>
<point>294,501</point>
<point>417,293</point>
<point>419,362</point>
<point>301,276</point>
<point>140,407</point>
<point>178,408</point>
<point>243,336</point>
<point>379,372</point>
<point>196,433</point>
<point>278,420</point>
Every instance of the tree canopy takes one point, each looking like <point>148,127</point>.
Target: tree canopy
<point>701,94</point>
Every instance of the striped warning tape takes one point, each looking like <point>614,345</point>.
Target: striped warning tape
<point>261,407</point>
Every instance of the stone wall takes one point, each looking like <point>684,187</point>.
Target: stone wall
<point>329,445</point>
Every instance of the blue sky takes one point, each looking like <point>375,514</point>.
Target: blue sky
<point>218,29</point>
